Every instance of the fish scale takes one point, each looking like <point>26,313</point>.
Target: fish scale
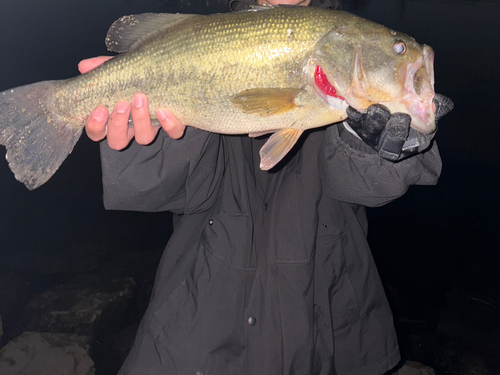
<point>235,73</point>
<point>203,47</point>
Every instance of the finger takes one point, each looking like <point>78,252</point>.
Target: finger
<point>87,65</point>
<point>393,138</point>
<point>145,133</point>
<point>354,115</point>
<point>174,128</point>
<point>443,105</point>
<point>118,133</point>
<point>95,126</point>
<point>376,119</point>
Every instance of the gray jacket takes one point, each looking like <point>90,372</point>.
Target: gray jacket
<point>266,272</point>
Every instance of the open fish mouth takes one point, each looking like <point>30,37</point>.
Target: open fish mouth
<point>419,92</point>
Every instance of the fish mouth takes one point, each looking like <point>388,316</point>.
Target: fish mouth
<point>419,92</point>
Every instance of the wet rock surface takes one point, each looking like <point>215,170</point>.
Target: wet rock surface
<point>37,353</point>
<point>85,305</point>
<point>75,323</point>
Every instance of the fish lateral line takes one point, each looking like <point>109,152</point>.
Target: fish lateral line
<point>325,85</point>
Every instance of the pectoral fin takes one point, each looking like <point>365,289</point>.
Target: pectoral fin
<point>277,146</point>
<point>266,101</point>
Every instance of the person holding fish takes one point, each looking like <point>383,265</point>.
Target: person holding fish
<point>268,270</point>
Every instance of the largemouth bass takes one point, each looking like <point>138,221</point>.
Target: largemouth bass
<point>281,70</point>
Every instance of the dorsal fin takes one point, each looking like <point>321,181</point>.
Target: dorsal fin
<point>129,30</point>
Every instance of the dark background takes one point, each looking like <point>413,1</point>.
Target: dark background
<point>437,248</point>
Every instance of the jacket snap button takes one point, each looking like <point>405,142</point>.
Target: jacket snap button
<point>252,321</point>
<point>210,222</point>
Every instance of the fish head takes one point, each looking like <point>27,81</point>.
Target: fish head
<point>370,64</point>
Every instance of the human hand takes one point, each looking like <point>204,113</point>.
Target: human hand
<point>101,124</point>
<point>390,134</point>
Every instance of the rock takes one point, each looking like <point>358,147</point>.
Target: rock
<point>86,305</point>
<point>35,353</point>
<point>414,368</point>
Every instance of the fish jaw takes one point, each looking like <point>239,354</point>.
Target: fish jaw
<point>415,98</point>
<point>419,92</point>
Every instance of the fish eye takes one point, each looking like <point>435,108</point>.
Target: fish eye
<point>399,47</point>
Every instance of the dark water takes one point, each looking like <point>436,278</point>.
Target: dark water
<point>429,243</point>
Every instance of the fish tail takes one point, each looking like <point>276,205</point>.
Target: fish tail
<point>37,141</point>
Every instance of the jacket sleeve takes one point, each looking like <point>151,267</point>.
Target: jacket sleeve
<point>182,176</point>
<point>355,173</point>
